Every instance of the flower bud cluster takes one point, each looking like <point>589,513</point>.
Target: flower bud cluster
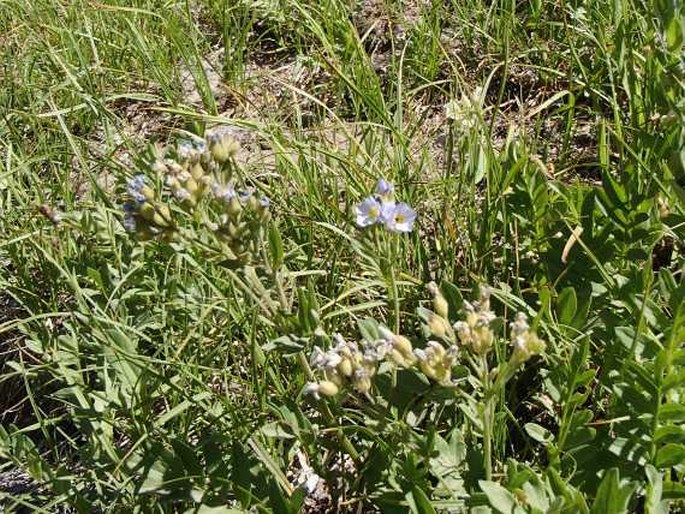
<point>355,364</point>
<point>525,342</point>
<point>144,213</point>
<point>242,216</point>
<point>436,362</point>
<point>475,332</point>
<point>465,112</point>
<point>347,363</point>
<point>198,179</point>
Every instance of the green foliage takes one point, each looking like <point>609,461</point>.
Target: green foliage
<point>157,360</point>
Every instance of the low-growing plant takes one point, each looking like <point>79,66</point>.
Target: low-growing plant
<point>340,314</point>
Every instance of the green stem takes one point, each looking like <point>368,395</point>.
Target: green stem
<point>395,300</point>
<point>488,415</point>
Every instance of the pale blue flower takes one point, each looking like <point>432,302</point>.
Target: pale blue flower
<point>384,188</point>
<point>185,150</point>
<point>244,196</point>
<point>182,194</point>
<point>398,217</point>
<point>129,219</point>
<point>368,212</point>
<point>135,188</point>
<point>223,193</point>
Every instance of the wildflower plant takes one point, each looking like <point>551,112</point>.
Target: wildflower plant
<point>198,198</point>
<point>458,357</point>
<point>382,219</point>
<point>188,353</point>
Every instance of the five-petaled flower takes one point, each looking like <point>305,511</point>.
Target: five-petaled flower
<point>368,211</point>
<point>398,217</point>
<point>382,208</point>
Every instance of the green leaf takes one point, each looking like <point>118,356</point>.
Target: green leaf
<point>653,492</point>
<point>674,380</point>
<point>368,328</point>
<point>270,463</point>
<point>579,436</point>
<point>205,509</point>
<point>454,298</point>
<point>674,491</point>
<point>675,33</point>
<point>670,455</point>
<point>500,498</point>
<point>540,434</point>
<point>419,502</point>
<point>674,412</point>
<point>612,496</point>
<point>286,345</point>
<point>669,434</point>
<point>567,305</point>
<point>275,246</point>
<point>275,430</point>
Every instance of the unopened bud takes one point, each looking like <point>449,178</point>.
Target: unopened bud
<point>160,167</point>
<point>164,212</point>
<point>440,305</point>
<point>345,367</point>
<point>439,327</point>
<point>403,345</point>
<point>191,186</point>
<point>148,193</point>
<point>328,388</point>
<point>147,211</point>
<point>234,206</point>
<point>197,172</point>
<point>223,148</point>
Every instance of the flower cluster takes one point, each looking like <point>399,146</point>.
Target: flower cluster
<point>381,208</point>
<point>355,364</point>
<point>475,332</point>
<point>346,363</point>
<point>526,343</point>
<point>466,111</point>
<point>436,362</point>
<point>144,213</point>
<point>197,178</point>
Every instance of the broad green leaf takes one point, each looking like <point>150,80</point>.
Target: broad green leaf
<point>674,412</point>
<point>538,433</point>
<point>566,306</point>
<point>653,492</point>
<point>579,436</point>
<point>454,298</point>
<point>674,380</point>
<point>275,430</point>
<point>612,496</point>
<point>674,491</point>
<point>286,345</point>
<point>368,328</point>
<point>670,455</point>
<point>669,434</point>
<point>500,498</point>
